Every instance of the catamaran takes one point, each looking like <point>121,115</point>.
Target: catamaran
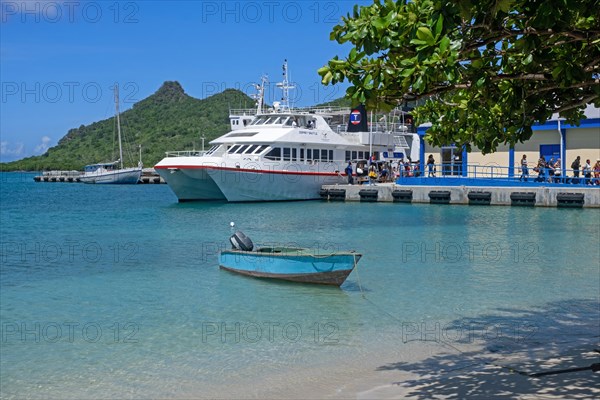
<point>113,173</point>
<point>281,153</point>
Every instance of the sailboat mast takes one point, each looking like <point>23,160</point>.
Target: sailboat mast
<point>118,125</point>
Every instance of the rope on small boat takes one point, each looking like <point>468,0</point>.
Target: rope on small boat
<point>357,275</point>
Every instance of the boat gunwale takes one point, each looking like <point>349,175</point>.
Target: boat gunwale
<point>292,252</point>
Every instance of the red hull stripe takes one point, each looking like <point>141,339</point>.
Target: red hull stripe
<point>260,171</point>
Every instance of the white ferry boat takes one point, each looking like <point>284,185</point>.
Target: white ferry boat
<point>282,153</point>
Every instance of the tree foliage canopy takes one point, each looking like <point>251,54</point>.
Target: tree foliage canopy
<point>488,69</point>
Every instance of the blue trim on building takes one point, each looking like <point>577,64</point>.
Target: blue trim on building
<point>547,126</point>
<point>511,161</point>
<point>563,151</point>
<point>464,157</point>
<point>422,153</point>
<point>553,125</point>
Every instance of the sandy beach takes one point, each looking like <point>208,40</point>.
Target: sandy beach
<point>474,375</point>
<point>563,338</point>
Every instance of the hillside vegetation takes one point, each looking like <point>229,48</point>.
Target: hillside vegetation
<point>167,120</point>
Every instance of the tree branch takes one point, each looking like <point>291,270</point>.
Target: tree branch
<point>582,102</point>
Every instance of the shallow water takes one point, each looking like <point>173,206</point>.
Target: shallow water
<point>115,290</point>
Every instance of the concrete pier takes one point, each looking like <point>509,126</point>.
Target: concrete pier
<point>564,196</point>
<point>148,176</point>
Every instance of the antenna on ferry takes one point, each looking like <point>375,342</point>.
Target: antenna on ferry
<point>285,87</point>
<point>260,96</point>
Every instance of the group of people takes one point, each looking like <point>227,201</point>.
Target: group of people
<point>551,171</point>
<point>406,168</point>
<point>383,171</point>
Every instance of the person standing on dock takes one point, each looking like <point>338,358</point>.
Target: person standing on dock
<point>557,171</point>
<point>550,166</point>
<point>596,180</point>
<point>575,165</point>
<point>431,166</point>
<point>373,175</point>
<point>587,172</point>
<point>349,173</point>
<point>524,170</point>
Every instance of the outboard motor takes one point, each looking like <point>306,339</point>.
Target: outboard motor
<point>239,241</point>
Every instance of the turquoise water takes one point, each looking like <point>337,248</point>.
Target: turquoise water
<point>115,291</point>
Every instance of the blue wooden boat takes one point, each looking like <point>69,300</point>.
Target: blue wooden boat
<point>287,263</point>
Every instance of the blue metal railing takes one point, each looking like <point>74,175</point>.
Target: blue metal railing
<point>453,174</point>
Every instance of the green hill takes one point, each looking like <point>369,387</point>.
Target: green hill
<point>341,102</point>
<point>167,120</point>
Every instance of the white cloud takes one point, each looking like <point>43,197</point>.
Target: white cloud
<point>16,149</point>
<point>42,147</point>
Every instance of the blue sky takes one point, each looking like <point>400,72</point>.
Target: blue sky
<point>58,59</point>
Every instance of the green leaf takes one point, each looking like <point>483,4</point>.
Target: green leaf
<point>368,85</point>
<point>352,55</point>
<point>528,59</point>
<point>418,42</point>
<point>424,33</point>
<point>327,78</point>
<point>439,26</point>
<point>380,23</point>
<point>407,72</point>
<point>418,84</point>
<point>505,5</point>
<point>444,43</point>
<point>323,70</point>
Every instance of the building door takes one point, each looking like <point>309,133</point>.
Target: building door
<point>451,160</point>
<point>549,151</point>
